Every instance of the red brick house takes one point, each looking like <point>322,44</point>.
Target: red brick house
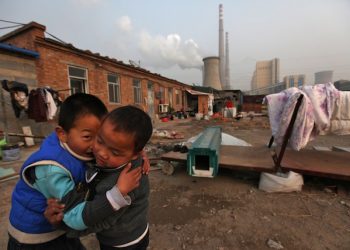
<point>68,69</point>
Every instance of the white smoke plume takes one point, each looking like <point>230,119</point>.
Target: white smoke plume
<point>165,52</point>
<point>124,24</point>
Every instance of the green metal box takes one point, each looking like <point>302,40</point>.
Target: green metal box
<point>203,155</point>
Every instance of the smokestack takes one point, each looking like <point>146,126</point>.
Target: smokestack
<point>221,46</point>
<point>227,65</point>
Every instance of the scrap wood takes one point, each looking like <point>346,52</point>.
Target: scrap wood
<point>21,135</point>
<point>8,177</point>
<point>168,135</point>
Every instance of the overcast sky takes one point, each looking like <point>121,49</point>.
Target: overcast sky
<point>172,37</point>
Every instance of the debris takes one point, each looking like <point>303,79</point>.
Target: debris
<point>331,189</point>
<point>341,149</point>
<point>274,244</point>
<point>168,135</point>
<point>345,203</point>
<point>321,148</point>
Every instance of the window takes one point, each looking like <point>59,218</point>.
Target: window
<point>177,97</point>
<point>300,82</point>
<point>170,94</point>
<point>137,91</point>
<point>162,94</point>
<point>291,82</point>
<point>113,88</point>
<point>77,79</point>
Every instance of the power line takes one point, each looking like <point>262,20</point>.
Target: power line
<point>22,24</point>
<point>56,37</point>
<point>6,21</point>
<point>9,27</point>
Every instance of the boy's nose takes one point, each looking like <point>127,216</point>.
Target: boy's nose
<point>102,153</point>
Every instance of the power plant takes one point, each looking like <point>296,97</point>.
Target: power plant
<point>216,72</point>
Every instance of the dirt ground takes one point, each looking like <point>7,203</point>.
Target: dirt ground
<point>229,211</point>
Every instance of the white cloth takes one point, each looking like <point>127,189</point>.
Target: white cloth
<point>323,98</point>
<point>340,123</point>
<point>51,106</point>
<point>281,107</point>
<point>313,118</point>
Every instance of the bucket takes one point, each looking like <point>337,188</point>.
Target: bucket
<point>10,152</point>
<point>199,116</point>
<point>2,143</point>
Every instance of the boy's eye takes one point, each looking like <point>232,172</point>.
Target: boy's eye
<point>114,153</point>
<point>87,137</point>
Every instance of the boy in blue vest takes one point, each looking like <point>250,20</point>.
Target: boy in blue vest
<point>121,138</point>
<point>54,171</point>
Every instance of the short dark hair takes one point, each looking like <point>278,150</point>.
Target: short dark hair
<point>133,120</point>
<point>78,105</point>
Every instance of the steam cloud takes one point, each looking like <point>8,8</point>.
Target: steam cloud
<point>165,52</point>
<point>160,51</point>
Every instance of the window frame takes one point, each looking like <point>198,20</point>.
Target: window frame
<point>76,77</point>
<point>115,86</point>
<point>137,91</point>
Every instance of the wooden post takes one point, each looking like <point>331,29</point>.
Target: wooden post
<point>3,107</point>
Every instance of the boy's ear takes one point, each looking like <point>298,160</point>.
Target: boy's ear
<point>61,134</point>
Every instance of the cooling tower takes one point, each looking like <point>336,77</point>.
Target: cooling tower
<point>211,75</point>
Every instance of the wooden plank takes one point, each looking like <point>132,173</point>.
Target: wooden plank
<point>236,157</point>
<point>341,149</point>
<point>29,140</point>
<point>325,164</point>
<point>328,164</point>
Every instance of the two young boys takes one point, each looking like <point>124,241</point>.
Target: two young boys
<point>122,136</point>
<point>55,170</point>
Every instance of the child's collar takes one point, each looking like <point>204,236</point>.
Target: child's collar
<point>83,158</point>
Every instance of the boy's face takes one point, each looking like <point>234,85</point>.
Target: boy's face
<point>80,138</point>
<point>113,148</point>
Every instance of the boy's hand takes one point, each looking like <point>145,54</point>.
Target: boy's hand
<point>146,164</point>
<point>54,211</point>
<point>129,180</point>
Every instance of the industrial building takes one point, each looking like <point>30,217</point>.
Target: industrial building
<point>266,73</point>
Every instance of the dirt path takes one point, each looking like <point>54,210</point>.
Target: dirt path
<point>229,211</point>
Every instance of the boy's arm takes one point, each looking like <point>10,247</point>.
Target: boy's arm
<point>103,205</point>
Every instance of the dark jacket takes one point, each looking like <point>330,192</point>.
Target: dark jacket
<point>126,224</point>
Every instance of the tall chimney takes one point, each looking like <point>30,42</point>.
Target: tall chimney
<point>227,65</point>
<point>221,46</point>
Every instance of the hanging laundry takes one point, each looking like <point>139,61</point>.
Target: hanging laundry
<point>323,98</point>
<point>57,99</point>
<point>314,115</point>
<point>280,109</point>
<point>51,105</point>
<point>37,107</point>
<point>19,95</point>
<point>340,122</point>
